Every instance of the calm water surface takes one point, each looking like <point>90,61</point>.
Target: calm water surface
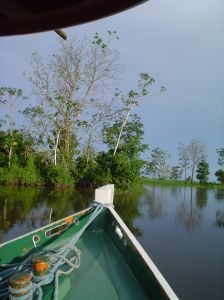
<point>182,229</point>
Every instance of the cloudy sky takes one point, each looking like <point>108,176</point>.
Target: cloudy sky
<point>179,43</point>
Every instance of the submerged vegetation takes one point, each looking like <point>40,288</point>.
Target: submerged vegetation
<point>78,131</point>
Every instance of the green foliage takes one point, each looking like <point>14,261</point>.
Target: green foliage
<point>70,86</point>
<point>29,174</point>
<point>150,169</point>
<point>118,169</point>
<point>202,171</point>
<point>175,173</point>
<point>11,175</point>
<point>3,149</point>
<point>6,92</point>
<point>22,143</point>
<point>158,166</point>
<point>17,175</point>
<point>220,175</point>
<point>125,171</point>
<point>57,175</point>
<point>131,139</point>
<point>220,153</point>
<point>84,172</point>
<point>102,171</point>
<point>123,166</point>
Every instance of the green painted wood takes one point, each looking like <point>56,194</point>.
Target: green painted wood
<point>109,269</point>
<point>20,248</point>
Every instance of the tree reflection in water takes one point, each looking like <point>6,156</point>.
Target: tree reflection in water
<point>25,209</point>
<point>201,197</point>
<point>219,195</point>
<point>189,210</point>
<point>127,205</point>
<point>219,223</point>
<point>156,202</point>
<point>31,208</point>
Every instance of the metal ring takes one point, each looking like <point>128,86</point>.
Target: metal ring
<point>76,221</point>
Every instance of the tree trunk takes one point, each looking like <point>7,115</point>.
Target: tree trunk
<point>10,154</point>
<point>185,173</point>
<point>192,174</point>
<point>67,141</point>
<point>56,148</point>
<point>122,127</point>
<point>88,151</point>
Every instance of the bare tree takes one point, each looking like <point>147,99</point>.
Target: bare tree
<point>196,153</point>
<point>93,126</point>
<point>70,84</point>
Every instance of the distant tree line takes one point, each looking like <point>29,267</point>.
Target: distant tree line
<point>192,157</point>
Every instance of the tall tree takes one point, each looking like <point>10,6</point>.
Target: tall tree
<point>202,171</point>
<point>159,162</point>
<point>68,85</point>
<point>190,155</point>
<point>132,100</point>
<point>131,141</point>
<point>196,153</point>
<point>125,167</point>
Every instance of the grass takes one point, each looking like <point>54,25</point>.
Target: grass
<point>164,182</point>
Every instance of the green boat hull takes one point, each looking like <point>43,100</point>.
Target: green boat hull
<point>112,265</point>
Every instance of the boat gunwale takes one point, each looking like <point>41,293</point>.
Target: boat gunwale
<point>147,260</point>
<point>46,226</point>
<point>159,277</point>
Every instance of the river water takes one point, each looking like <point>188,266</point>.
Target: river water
<point>182,229</point>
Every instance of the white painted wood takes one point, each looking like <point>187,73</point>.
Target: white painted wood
<point>164,284</point>
<point>105,195</point>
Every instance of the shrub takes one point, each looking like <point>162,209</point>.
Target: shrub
<point>30,175</point>
<point>57,175</point>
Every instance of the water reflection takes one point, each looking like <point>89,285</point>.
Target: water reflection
<point>25,209</point>
<point>189,211</point>
<point>201,197</point>
<point>127,205</point>
<point>156,202</point>
<point>219,219</point>
<point>219,195</point>
<point>175,191</point>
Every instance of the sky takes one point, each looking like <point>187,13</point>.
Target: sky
<point>179,43</point>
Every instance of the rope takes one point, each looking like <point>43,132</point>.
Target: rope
<point>28,289</point>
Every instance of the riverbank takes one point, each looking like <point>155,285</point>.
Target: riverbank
<point>183,183</point>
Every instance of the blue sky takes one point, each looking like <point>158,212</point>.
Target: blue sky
<point>180,43</point>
